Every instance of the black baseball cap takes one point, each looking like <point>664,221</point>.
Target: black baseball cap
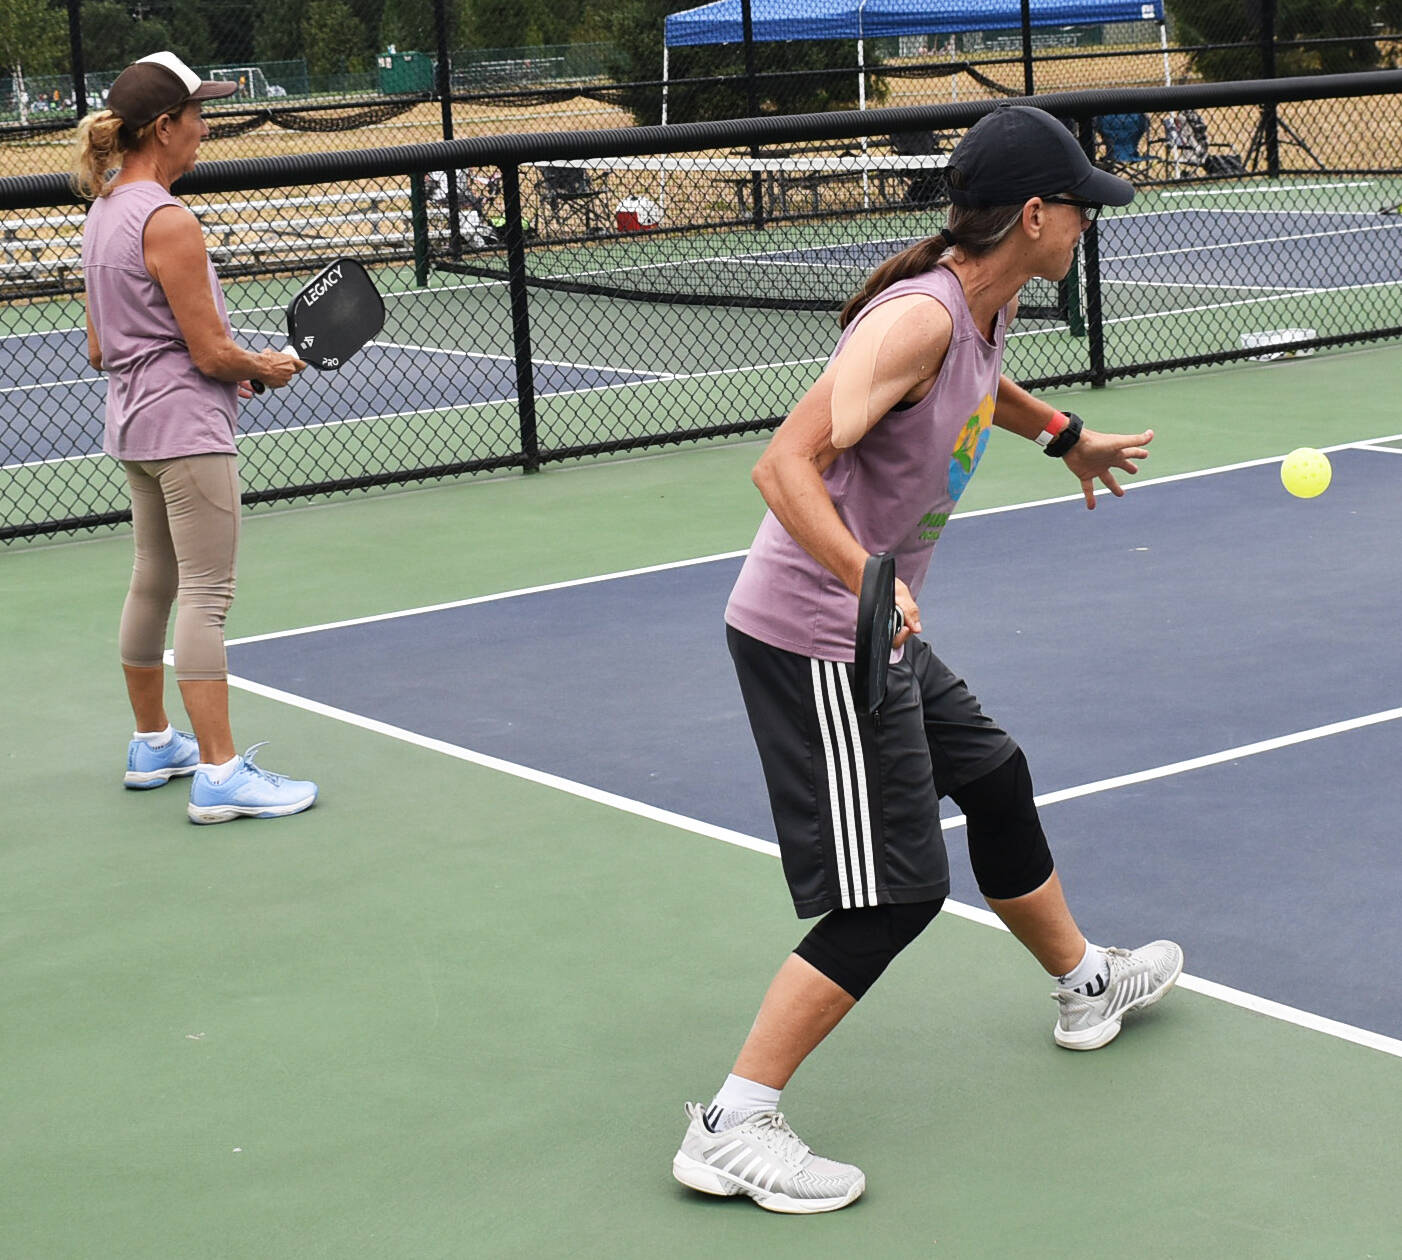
<point>1018,152</point>
<point>159,84</point>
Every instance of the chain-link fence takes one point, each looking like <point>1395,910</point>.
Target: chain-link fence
<point>552,297</point>
<point>407,71</point>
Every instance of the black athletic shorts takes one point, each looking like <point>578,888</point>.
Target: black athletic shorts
<point>856,799</point>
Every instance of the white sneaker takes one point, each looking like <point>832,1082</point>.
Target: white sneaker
<point>765,1159</point>
<point>1138,978</point>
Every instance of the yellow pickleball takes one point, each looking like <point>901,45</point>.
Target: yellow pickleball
<point>1305,472</point>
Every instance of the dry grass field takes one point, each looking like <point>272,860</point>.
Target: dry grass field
<point>1143,67</point>
<point>1344,134</point>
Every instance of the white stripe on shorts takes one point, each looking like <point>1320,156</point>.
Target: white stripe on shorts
<point>847,785</point>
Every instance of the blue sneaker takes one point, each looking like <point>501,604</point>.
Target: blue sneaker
<point>250,792</point>
<point>149,767</point>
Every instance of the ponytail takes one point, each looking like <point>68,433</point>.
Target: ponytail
<point>97,152</point>
<point>974,232</point>
<point>102,142</point>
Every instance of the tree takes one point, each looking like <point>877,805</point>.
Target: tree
<point>1238,22</point>
<point>411,25</point>
<point>111,39</point>
<point>527,23</point>
<point>277,29</point>
<point>332,39</point>
<point>33,40</point>
<point>827,78</point>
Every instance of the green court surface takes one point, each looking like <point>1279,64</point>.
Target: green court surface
<point>453,1013</point>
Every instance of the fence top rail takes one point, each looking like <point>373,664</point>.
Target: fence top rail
<point>26,191</point>
<point>854,163</point>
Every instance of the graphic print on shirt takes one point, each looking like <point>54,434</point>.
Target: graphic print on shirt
<point>968,450</point>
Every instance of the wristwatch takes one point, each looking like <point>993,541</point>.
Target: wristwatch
<point>1057,439</point>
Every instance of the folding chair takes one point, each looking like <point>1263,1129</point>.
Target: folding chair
<point>1190,152</point>
<point>922,187</point>
<point>475,191</point>
<point>567,195</point>
<point>1120,137</point>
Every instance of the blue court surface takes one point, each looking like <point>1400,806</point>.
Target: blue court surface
<point>63,418</point>
<point>1205,676</point>
<point>1256,250</point>
<point>1210,250</point>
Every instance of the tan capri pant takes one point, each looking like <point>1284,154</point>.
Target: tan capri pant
<point>185,519</point>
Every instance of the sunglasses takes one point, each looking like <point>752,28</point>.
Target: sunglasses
<point>1090,210</point>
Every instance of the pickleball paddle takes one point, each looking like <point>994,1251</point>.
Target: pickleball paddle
<point>878,622</point>
<point>332,316</point>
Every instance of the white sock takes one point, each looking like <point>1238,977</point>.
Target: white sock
<point>217,774</point>
<point>157,739</point>
<point>1090,975</point>
<point>738,1099</point>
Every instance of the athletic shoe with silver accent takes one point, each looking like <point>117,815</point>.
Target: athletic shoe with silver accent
<point>149,767</point>
<point>249,792</point>
<point>765,1159</point>
<point>1138,978</point>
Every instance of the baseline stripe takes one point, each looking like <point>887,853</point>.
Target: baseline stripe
<point>1201,763</point>
<point>1209,988</point>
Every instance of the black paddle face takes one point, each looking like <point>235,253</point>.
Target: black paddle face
<point>334,315</point>
<point>876,626</point>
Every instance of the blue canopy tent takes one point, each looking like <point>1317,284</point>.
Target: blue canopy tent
<point>721,22</point>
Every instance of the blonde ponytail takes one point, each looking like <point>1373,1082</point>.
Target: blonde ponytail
<point>97,154</point>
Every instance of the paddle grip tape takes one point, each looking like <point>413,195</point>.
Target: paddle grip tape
<point>855,369</point>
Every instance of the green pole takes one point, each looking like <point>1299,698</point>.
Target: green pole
<point>418,214</point>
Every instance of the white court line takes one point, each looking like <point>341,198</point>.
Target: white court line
<point>77,380</point>
<point>1247,1001</point>
<point>622,803</point>
<point>1275,188</point>
<point>1290,290</point>
<point>1225,306</point>
<point>1210,759</point>
<point>1260,240</point>
<point>1360,444</point>
<point>487,599</point>
<point>1233,997</point>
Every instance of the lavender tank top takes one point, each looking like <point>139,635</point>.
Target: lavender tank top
<point>159,405</point>
<point>895,489</point>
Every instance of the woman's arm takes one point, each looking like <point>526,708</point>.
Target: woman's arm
<point>1094,455</point>
<point>790,472</point>
<point>94,348</point>
<point>176,259</point>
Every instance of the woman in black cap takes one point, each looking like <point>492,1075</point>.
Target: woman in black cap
<point>873,459</point>
<point>159,329</point>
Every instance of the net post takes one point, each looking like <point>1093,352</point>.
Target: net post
<point>77,68</point>
<point>520,316</point>
<point>1269,125</point>
<point>418,219</point>
<point>1094,323</point>
<point>1068,298</point>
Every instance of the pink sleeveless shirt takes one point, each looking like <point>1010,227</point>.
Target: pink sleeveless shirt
<point>895,489</point>
<point>159,405</point>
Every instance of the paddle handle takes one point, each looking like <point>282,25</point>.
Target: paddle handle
<point>258,386</point>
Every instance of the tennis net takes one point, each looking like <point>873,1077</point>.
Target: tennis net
<point>786,233</point>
